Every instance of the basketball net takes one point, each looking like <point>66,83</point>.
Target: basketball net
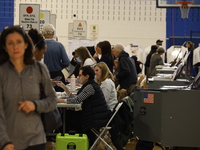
<point>184,8</point>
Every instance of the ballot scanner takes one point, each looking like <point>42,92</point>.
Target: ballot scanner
<point>168,115</point>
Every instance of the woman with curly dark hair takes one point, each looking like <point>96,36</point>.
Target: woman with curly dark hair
<point>38,42</point>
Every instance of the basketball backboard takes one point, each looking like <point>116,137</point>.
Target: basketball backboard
<point>174,3</point>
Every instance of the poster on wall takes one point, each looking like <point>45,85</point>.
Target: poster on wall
<point>79,29</point>
<point>44,18</point>
<point>29,16</point>
<point>94,32</point>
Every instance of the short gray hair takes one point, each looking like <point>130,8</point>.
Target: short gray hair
<point>119,47</point>
<point>48,29</point>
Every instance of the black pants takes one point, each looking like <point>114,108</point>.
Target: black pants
<point>144,145</point>
<point>37,147</point>
<point>73,122</point>
<point>55,74</point>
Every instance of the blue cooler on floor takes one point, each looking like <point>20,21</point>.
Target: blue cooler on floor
<point>71,142</point>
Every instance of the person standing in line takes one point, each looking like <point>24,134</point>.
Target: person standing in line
<point>127,74</point>
<point>148,58</point>
<point>190,71</point>
<point>105,79</point>
<point>39,44</point>
<point>55,57</point>
<point>137,64</point>
<point>159,42</point>
<point>104,49</point>
<point>156,59</point>
<point>20,111</point>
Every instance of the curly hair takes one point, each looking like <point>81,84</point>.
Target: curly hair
<point>37,38</point>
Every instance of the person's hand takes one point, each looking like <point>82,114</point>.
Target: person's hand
<point>9,147</point>
<point>115,78</point>
<point>62,85</point>
<point>26,106</point>
<point>95,56</point>
<point>60,100</point>
<point>54,82</point>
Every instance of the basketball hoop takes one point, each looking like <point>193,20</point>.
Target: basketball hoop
<point>185,8</point>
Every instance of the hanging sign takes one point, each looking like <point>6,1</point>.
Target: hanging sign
<point>94,32</point>
<point>80,29</point>
<point>44,18</point>
<point>29,16</point>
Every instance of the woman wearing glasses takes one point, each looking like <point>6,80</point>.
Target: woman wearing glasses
<point>20,104</point>
<point>95,112</point>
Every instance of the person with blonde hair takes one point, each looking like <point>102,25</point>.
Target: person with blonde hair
<point>105,79</point>
<point>84,57</point>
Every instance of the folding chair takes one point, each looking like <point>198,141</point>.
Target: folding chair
<point>102,133</point>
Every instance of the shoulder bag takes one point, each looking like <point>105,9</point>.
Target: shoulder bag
<point>51,120</point>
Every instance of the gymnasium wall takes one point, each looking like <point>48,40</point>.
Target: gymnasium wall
<point>119,21</point>
<point>6,13</point>
<point>178,29</point>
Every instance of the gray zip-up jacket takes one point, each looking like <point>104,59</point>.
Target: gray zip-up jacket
<point>18,127</point>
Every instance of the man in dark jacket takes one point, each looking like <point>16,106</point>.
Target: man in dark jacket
<point>127,74</point>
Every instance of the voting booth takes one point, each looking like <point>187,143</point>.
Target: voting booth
<point>154,83</point>
<point>175,52</point>
<point>169,116</point>
<point>196,56</point>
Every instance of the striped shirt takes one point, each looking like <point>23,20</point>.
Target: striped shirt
<point>77,99</point>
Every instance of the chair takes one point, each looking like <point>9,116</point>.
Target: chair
<point>104,130</point>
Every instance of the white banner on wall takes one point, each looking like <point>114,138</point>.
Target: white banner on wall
<point>29,16</point>
<point>44,18</point>
<point>80,29</point>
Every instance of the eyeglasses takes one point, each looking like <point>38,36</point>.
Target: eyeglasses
<point>13,28</point>
<point>16,26</point>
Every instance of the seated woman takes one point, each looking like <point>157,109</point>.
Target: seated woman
<point>95,112</point>
<point>105,79</point>
<point>84,57</point>
<point>104,50</point>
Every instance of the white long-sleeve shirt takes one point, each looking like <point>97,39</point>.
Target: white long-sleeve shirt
<point>110,93</point>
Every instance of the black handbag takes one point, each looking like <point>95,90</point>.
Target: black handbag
<point>51,120</point>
